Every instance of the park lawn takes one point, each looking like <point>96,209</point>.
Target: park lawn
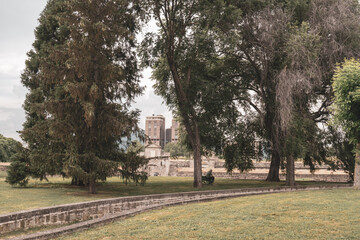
<point>325,214</point>
<point>59,191</point>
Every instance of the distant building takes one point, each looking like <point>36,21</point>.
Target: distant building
<point>153,150</point>
<point>155,130</point>
<point>175,131</point>
<point>168,136</point>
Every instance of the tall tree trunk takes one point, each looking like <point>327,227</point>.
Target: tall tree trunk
<point>357,168</point>
<point>76,182</point>
<point>272,135</point>
<point>273,175</point>
<point>193,135</point>
<point>197,158</point>
<point>188,115</point>
<point>92,185</point>
<point>290,171</point>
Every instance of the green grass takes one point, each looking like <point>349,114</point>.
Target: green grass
<point>59,191</point>
<point>326,214</point>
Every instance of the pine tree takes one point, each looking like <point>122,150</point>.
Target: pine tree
<point>82,76</point>
<point>45,152</point>
<point>92,80</point>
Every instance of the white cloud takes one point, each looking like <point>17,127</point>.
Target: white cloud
<point>18,19</point>
<point>5,115</point>
<point>11,120</point>
<point>149,103</point>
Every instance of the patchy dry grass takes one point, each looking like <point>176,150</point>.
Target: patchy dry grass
<point>326,214</point>
<point>59,191</point>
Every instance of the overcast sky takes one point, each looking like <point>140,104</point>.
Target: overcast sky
<point>18,19</point>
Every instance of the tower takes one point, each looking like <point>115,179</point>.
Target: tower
<point>155,129</point>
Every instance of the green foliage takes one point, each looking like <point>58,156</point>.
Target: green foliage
<point>304,140</point>
<point>82,76</point>
<point>279,60</point>
<point>183,53</point>
<point>241,151</point>
<point>131,168</point>
<point>339,146</point>
<point>46,152</point>
<point>132,164</point>
<point>177,149</point>
<point>136,147</point>
<point>8,148</point>
<point>347,97</point>
<point>19,171</point>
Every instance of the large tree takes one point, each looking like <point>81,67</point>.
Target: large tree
<point>331,33</point>
<point>283,53</point>
<point>347,106</point>
<point>82,77</point>
<point>45,151</point>
<point>182,53</point>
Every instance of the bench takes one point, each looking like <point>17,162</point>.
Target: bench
<point>207,180</point>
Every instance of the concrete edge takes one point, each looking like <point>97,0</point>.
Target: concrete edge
<point>129,213</point>
<point>70,206</point>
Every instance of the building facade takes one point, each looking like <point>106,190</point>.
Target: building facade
<point>155,130</point>
<point>168,136</point>
<point>174,131</point>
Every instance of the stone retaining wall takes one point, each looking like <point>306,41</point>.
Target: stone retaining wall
<point>261,176</point>
<point>77,212</point>
<point>4,166</point>
<point>184,168</point>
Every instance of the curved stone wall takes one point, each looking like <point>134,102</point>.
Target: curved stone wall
<point>118,207</point>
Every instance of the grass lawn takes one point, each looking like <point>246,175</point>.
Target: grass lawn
<point>326,214</point>
<point>58,191</point>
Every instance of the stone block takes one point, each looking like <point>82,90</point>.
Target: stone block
<point>54,218</point>
<point>61,217</point>
<point>47,217</point>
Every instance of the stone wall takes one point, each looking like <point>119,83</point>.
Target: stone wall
<point>184,168</point>
<point>4,166</point>
<point>100,209</point>
<point>165,166</point>
<point>262,176</point>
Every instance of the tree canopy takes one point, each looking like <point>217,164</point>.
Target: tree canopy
<point>8,147</point>
<point>176,149</point>
<point>82,75</point>
<point>237,73</point>
<point>347,106</point>
<point>280,57</point>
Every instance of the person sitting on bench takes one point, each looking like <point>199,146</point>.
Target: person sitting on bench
<point>209,177</point>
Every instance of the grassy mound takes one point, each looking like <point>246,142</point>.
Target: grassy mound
<point>326,214</point>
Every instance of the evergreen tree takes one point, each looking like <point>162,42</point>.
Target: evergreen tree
<point>92,80</point>
<point>82,76</point>
<point>19,171</point>
<point>46,152</point>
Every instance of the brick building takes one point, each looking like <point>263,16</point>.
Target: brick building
<point>174,131</point>
<point>168,136</point>
<point>155,130</point>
